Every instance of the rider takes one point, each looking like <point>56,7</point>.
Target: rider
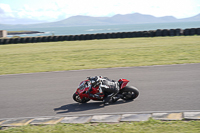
<point>105,86</point>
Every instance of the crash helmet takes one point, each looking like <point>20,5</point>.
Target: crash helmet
<point>95,81</point>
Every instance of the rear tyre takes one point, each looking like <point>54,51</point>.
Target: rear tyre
<point>129,93</point>
<point>77,98</point>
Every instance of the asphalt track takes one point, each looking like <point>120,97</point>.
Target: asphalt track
<point>162,88</point>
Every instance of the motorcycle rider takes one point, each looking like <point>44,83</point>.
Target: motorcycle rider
<point>106,86</point>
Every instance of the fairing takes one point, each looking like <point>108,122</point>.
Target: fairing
<point>123,82</point>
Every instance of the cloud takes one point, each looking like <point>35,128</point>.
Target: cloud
<point>5,7</point>
<point>28,14</point>
<point>94,8</point>
<point>5,13</point>
<point>48,13</point>
<point>176,8</point>
<point>1,11</point>
<point>54,10</point>
<point>5,10</point>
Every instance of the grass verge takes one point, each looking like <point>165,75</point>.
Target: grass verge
<point>91,54</point>
<point>150,126</point>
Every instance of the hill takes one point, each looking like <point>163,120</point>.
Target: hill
<point>135,18</point>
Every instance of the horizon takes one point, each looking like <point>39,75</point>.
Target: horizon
<point>134,13</point>
<point>96,17</point>
<point>45,11</point>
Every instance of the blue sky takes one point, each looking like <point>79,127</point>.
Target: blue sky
<point>34,11</point>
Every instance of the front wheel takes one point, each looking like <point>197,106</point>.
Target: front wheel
<point>129,93</point>
<point>77,98</point>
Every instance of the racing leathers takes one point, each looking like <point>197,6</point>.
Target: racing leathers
<point>107,87</point>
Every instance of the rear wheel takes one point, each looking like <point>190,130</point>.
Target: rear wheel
<point>129,93</point>
<point>77,98</point>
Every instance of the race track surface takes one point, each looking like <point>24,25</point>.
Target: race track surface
<point>162,88</point>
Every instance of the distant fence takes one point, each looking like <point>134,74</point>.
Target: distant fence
<point>151,33</point>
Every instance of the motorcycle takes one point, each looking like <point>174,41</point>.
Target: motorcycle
<point>125,92</point>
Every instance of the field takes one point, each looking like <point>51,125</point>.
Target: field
<point>150,126</point>
<point>91,54</point>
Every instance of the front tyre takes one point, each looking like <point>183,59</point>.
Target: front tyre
<point>77,98</point>
<point>129,93</point>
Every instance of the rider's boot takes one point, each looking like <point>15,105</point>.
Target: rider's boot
<point>107,100</point>
<point>117,97</point>
<point>114,99</point>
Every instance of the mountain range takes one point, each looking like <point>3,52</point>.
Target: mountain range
<point>135,18</point>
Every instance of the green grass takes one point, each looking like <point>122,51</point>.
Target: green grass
<point>150,126</point>
<point>91,54</point>
<point>73,55</point>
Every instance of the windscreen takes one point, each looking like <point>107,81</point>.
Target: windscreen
<point>83,85</point>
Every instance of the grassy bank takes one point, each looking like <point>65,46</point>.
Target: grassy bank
<point>151,126</point>
<point>21,31</point>
<point>73,55</point>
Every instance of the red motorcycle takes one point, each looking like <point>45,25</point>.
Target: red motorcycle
<point>126,92</point>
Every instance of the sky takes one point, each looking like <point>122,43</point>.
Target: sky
<point>36,11</point>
